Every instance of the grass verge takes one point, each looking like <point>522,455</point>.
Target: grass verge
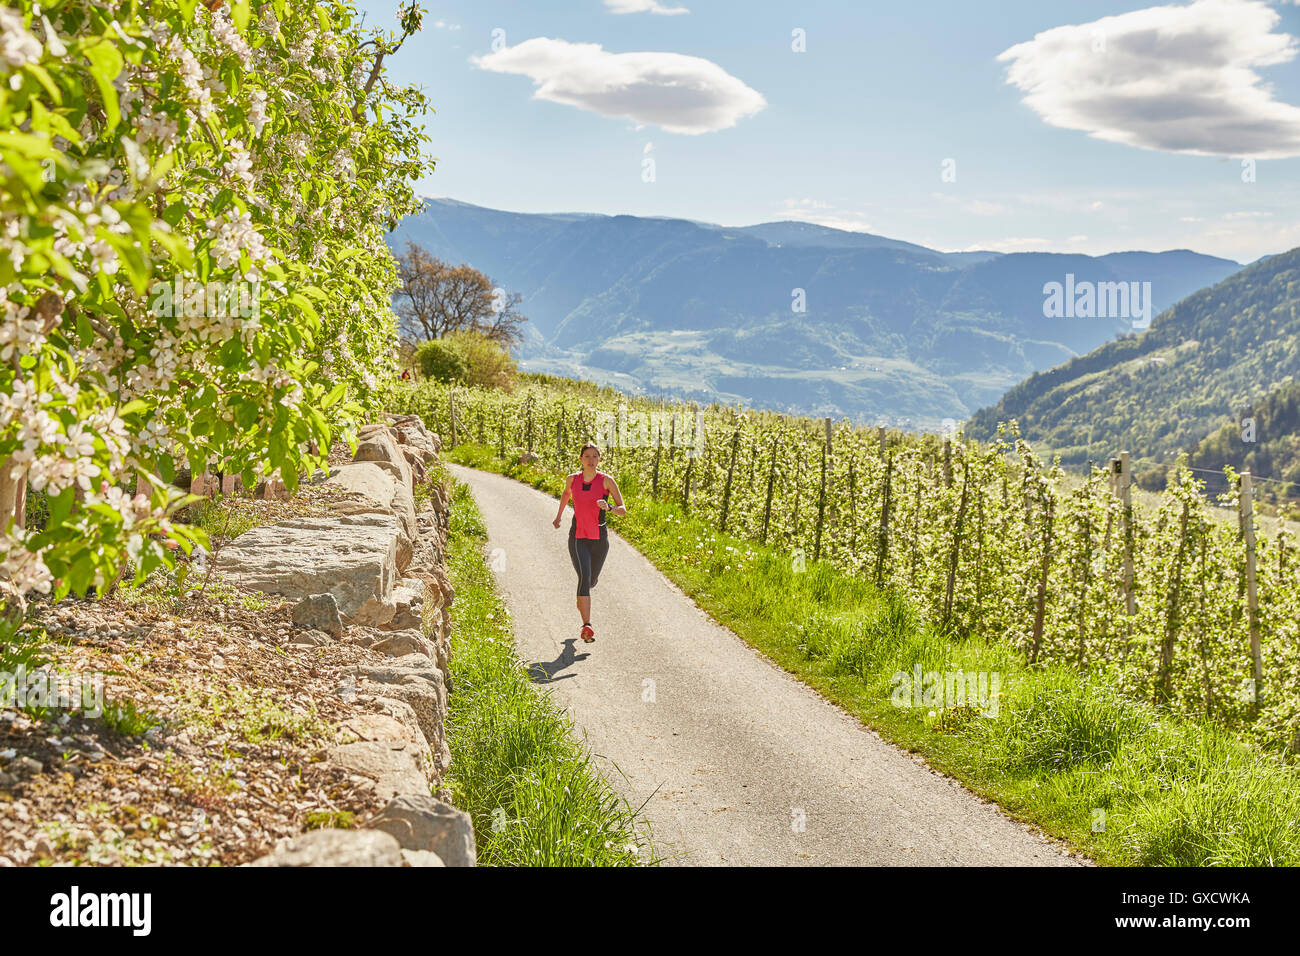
<point>534,793</point>
<point>1117,779</point>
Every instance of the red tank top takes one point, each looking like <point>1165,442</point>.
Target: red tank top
<point>585,512</point>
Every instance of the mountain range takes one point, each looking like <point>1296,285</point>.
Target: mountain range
<point>793,316</point>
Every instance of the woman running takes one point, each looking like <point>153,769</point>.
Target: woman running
<point>590,491</point>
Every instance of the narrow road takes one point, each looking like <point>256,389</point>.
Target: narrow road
<point>742,764</point>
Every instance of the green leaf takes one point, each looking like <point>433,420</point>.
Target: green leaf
<point>105,66</point>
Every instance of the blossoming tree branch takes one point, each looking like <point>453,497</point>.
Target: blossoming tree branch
<point>193,201</point>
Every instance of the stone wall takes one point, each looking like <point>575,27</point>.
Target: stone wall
<point>372,573</point>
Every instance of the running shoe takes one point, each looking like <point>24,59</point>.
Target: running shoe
<point>588,634</point>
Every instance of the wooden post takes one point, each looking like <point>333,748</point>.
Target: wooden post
<point>559,440</point>
<point>482,440</point>
<point>798,498</point>
<point>451,414</point>
<point>821,496</point>
<point>853,510</point>
<point>979,551</point>
<point>1126,503</point>
<point>767,505</point>
<point>1040,603</point>
<point>827,423</point>
<point>1083,594</point>
<point>503,437</point>
<point>882,533</point>
<point>947,462</point>
<point>916,527</point>
<point>1164,683</point>
<point>654,479</point>
<point>530,427</point>
<point>1203,577</point>
<point>726,490</point>
<point>880,437</point>
<point>955,556</point>
<point>1247,501</point>
<point>686,487</point>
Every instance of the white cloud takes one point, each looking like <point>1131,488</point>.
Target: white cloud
<point>822,213</point>
<point>679,93</point>
<point>444,25</point>
<point>1016,244</point>
<point>1174,78</point>
<point>642,6</point>
<point>976,207</point>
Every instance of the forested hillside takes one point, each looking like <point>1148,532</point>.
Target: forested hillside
<point>1264,440</point>
<point>1202,363</point>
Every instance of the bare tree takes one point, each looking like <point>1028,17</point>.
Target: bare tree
<point>436,298</point>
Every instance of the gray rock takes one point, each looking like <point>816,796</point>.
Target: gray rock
<point>422,858</point>
<point>427,699</point>
<point>410,608</point>
<point>379,445</point>
<point>386,729</point>
<point>337,848</point>
<point>404,714</point>
<point>422,822</point>
<point>372,489</point>
<point>411,433</point>
<point>27,765</point>
<point>320,612</point>
<point>399,671</point>
<point>312,638</point>
<point>353,557</point>
<point>403,643</point>
<point>395,767</point>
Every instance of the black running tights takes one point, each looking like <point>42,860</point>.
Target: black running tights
<point>588,556</point>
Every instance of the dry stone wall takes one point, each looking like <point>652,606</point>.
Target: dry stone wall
<point>373,573</point>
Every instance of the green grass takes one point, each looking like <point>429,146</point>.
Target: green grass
<point>1117,779</point>
<point>127,719</point>
<point>329,820</point>
<point>534,792</point>
<point>226,518</point>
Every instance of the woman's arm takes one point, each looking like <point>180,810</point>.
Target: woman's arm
<point>618,507</point>
<point>564,500</point>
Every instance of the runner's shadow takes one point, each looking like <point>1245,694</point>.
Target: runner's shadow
<point>544,672</point>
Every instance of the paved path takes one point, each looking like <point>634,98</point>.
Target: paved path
<point>731,751</point>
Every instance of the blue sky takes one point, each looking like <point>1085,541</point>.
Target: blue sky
<point>1123,126</point>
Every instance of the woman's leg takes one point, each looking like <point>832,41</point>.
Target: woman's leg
<point>599,551</point>
<point>581,558</point>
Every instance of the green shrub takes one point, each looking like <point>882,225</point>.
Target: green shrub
<point>468,358</point>
<point>441,361</point>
